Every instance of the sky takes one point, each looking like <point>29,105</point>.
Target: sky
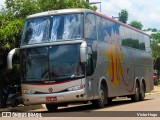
<point>2,2</point>
<point>145,11</point>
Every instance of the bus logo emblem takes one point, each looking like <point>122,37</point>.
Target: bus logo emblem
<point>50,89</point>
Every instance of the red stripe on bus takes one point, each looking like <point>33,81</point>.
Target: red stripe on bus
<point>113,20</point>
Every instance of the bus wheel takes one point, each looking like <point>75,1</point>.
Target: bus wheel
<point>109,100</point>
<point>52,107</point>
<point>155,82</point>
<point>142,94</point>
<point>100,103</point>
<point>136,96</point>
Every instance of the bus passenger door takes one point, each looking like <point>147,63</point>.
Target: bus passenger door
<point>89,74</point>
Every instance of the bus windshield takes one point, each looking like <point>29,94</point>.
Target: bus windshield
<point>53,28</point>
<point>51,63</point>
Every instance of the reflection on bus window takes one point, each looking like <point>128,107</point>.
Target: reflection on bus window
<point>37,31</point>
<point>66,27</point>
<point>90,27</point>
<point>53,28</point>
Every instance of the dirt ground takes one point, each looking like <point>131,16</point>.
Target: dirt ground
<point>155,91</point>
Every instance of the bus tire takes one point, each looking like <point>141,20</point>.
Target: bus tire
<point>52,107</point>
<point>109,100</point>
<point>136,96</point>
<point>142,94</point>
<point>155,82</point>
<point>100,103</point>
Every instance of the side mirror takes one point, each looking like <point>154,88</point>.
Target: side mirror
<point>83,51</point>
<point>10,57</point>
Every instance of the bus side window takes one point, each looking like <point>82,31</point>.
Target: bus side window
<point>135,39</point>
<point>99,28</point>
<point>90,27</point>
<point>116,34</point>
<point>147,43</point>
<point>109,31</point>
<point>122,35</point>
<point>141,42</point>
<point>127,40</point>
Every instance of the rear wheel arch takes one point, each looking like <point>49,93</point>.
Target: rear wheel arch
<point>136,96</point>
<point>104,83</point>
<point>102,93</point>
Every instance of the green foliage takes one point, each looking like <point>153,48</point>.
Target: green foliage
<point>10,34</point>
<point>136,24</point>
<point>123,16</point>
<point>134,43</point>
<point>22,8</point>
<point>152,30</point>
<point>62,4</point>
<point>155,47</point>
<point>12,19</point>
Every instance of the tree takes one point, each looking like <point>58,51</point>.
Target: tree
<point>136,24</point>
<point>152,30</point>
<point>123,16</point>
<point>13,16</point>
<point>22,8</point>
<point>156,50</point>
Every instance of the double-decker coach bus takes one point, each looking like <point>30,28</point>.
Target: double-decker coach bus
<point>79,55</point>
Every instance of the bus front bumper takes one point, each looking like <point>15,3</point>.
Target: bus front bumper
<point>63,97</point>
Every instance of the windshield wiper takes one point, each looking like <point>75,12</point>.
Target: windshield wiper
<point>75,76</point>
<point>66,76</point>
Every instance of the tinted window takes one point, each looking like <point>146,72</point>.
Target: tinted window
<point>36,31</point>
<point>115,35</point>
<point>105,31</point>
<point>90,27</point>
<point>66,27</point>
<point>122,34</point>
<point>141,42</point>
<point>135,39</point>
<point>51,63</point>
<point>65,61</point>
<point>127,40</point>
<point>147,43</point>
<point>99,28</point>
<point>53,28</point>
<point>110,31</point>
<point>36,64</point>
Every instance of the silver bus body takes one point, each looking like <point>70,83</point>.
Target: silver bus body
<point>116,64</point>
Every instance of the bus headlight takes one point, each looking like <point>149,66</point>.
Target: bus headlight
<point>28,91</point>
<point>74,88</point>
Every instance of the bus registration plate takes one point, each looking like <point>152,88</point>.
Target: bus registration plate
<point>51,99</point>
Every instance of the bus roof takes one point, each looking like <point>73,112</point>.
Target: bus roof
<point>62,11</point>
<point>81,10</point>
